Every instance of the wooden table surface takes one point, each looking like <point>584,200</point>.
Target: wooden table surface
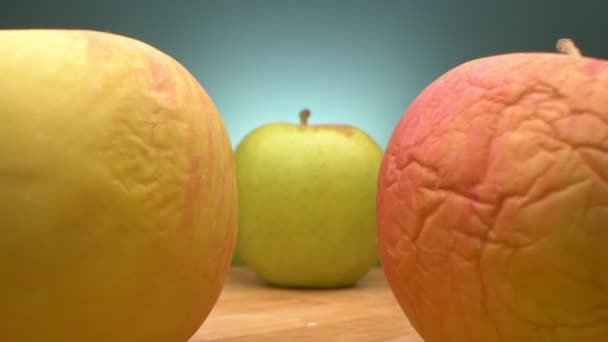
<point>250,311</point>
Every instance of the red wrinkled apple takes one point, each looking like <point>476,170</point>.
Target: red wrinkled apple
<point>492,206</point>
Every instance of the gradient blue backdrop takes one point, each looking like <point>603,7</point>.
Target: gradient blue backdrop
<point>354,62</point>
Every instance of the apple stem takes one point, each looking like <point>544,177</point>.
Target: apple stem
<point>567,46</point>
<point>304,114</point>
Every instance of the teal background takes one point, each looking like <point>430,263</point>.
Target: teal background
<point>354,62</point>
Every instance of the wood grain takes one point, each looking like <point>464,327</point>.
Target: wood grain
<point>248,310</point>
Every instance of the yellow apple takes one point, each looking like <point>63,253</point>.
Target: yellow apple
<point>117,191</point>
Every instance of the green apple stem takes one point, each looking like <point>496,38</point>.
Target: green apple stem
<point>567,46</point>
<point>304,114</point>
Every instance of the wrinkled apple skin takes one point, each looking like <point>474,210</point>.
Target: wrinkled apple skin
<point>118,198</point>
<point>492,203</point>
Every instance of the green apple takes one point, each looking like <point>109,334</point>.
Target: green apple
<point>307,203</point>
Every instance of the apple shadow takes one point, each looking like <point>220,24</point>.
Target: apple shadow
<point>246,277</point>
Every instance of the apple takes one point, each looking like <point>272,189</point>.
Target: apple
<point>307,203</point>
<point>492,201</point>
<point>118,191</point>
